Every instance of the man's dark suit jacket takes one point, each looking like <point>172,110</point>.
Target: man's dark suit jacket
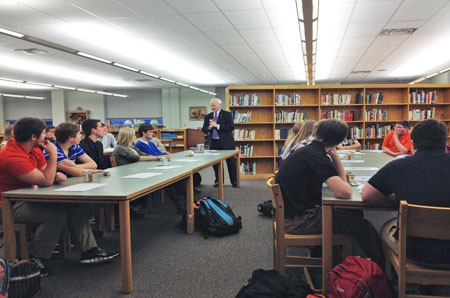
<point>225,120</point>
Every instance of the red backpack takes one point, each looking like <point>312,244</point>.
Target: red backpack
<point>358,278</point>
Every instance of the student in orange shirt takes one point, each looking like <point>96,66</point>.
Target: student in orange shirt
<point>398,141</point>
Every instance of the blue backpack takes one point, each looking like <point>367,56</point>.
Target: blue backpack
<point>216,218</point>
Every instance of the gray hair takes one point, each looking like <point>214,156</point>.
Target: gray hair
<point>215,100</point>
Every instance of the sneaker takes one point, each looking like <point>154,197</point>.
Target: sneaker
<point>96,256</point>
<point>43,265</point>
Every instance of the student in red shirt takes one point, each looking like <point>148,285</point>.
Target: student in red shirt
<point>398,141</point>
<point>22,164</point>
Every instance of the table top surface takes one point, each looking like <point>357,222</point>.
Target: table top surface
<point>370,160</point>
<point>118,188</point>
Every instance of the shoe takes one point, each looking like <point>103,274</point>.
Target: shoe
<point>43,265</point>
<point>216,184</point>
<point>234,184</point>
<point>96,255</point>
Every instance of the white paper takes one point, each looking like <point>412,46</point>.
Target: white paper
<point>164,167</point>
<point>360,186</point>
<point>81,187</point>
<point>186,160</point>
<point>141,175</point>
<point>207,153</point>
<point>211,151</point>
<point>362,178</point>
<point>360,169</point>
<point>374,151</point>
<point>107,150</point>
<point>352,160</point>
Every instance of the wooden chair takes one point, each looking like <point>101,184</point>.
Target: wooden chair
<point>23,239</point>
<point>113,161</point>
<point>424,222</point>
<point>281,240</point>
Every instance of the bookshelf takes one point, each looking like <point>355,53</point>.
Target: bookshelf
<point>270,111</point>
<point>174,139</point>
<point>77,116</point>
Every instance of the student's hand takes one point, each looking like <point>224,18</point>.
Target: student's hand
<point>49,147</point>
<point>60,177</point>
<point>68,162</point>
<point>167,156</point>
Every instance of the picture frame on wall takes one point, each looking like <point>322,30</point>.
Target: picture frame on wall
<point>197,113</point>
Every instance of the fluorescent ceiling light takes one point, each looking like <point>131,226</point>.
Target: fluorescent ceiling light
<point>302,30</point>
<point>432,75</point>
<point>150,74</point>
<point>12,33</point>
<point>104,93</point>
<point>22,96</point>
<point>11,80</point>
<point>39,84</point>
<point>181,84</point>
<point>300,9</point>
<point>64,87</point>
<point>126,67</point>
<point>314,30</point>
<point>167,80</point>
<point>304,47</point>
<point>315,9</point>
<point>195,88</point>
<point>119,95</point>
<point>94,57</point>
<point>85,90</point>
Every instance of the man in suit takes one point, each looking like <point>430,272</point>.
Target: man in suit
<point>218,126</point>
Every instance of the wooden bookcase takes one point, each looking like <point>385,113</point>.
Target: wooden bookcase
<point>271,105</point>
<point>77,116</point>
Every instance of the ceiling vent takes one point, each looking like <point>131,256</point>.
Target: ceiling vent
<point>360,71</point>
<point>32,51</point>
<point>401,31</point>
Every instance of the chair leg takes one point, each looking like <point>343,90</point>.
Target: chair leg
<point>23,240</point>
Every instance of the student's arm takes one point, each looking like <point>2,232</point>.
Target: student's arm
<point>400,147</point>
<point>44,176</point>
<point>338,184</point>
<point>149,157</point>
<point>389,151</point>
<point>86,162</point>
<point>370,194</point>
<point>69,167</point>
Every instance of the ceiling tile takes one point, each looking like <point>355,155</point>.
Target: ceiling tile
<point>389,40</point>
<point>282,17</point>
<point>266,47</point>
<point>405,24</point>
<point>363,41</point>
<point>195,39</point>
<point>193,6</point>
<point>352,51</point>
<point>148,8</point>
<point>379,51</point>
<point>270,56</point>
<point>248,19</point>
<point>214,21</point>
<point>238,4</point>
<point>248,57</point>
<point>365,66</point>
<point>173,23</point>
<point>226,37</point>
<point>237,48</point>
<point>417,10</point>
<point>364,29</point>
<point>103,8</point>
<point>372,59</point>
<point>258,35</point>
<point>376,11</point>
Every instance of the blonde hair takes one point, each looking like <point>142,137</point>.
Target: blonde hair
<point>125,137</point>
<point>305,132</point>
<point>9,133</point>
<point>295,130</point>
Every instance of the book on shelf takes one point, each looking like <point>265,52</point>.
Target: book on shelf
<point>418,115</point>
<point>420,96</point>
<point>287,99</point>
<point>244,134</point>
<point>287,116</point>
<point>378,131</point>
<point>282,134</point>
<point>336,99</point>
<point>248,168</point>
<point>246,150</point>
<point>279,149</point>
<point>377,115</point>
<point>245,100</point>
<point>239,117</point>
<point>341,115</point>
<point>374,98</point>
<point>356,132</point>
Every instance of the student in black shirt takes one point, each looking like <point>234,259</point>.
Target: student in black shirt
<point>421,179</point>
<point>301,177</point>
<point>93,131</point>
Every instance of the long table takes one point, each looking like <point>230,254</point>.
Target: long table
<point>330,202</point>
<point>118,190</point>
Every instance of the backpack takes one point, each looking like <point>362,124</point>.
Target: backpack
<point>358,278</point>
<point>216,218</point>
<point>270,283</point>
<point>4,279</point>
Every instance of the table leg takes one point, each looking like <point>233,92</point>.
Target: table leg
<point>190,204</point>
<point>9,236</point>
<point>125,247</point>
<point>238,169</point>
<point>221,180</point>
<point>327,244</point>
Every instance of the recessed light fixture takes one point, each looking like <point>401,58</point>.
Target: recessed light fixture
<point>399,31</point>
<point>167,80</point>
<point>94,57</point>
<point>32,51</point>
<point>125,67</point>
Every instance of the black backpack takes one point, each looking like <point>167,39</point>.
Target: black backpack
<point>266,208</point>
<point>270,283</point>
<point>216,218</point>
<point>21,279</point>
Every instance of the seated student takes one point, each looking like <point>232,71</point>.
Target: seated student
<point>50,133</point>
<point>8,135</point>
<point>303,138</point>
<point>22,164</point>
<point>349,143</point>
<point>301,182</point>
<point>159,144</point>
<point>420,179</point>
<point>125,153</point>
<point>72,160</point>
<point>144,142</point>
<point>290,139</point>
<point>398,141</point>
<point>108,140</point>
<point>93,131</point>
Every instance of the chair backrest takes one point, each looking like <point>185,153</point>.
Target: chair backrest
<point>278,205</point>
<point>113,161</point>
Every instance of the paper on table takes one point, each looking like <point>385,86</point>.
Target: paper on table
<point>141,175</point>
<point>81,187</point>
<point>186,160</point>
<point>360,169</point>
<point>207,153</point>
<point>107,150</point>
<point>374,151</point>
<point>362,178</point>
<point>353,160</point>
<point>164,167</point>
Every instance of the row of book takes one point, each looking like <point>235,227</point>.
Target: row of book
<point>248,168</point>
<point>244,134</point>
<point>421,96</point>
<point>287,99</point>
<point>356,132</point>
<point>245,100</point>
<point>340,99</point>
<point>286,116</point>
<point>377,131</point>
<point>279,149</point>
<point>282,134</point>
<point>341,115</point>
<point>376,115</point>
<point>374,98</point>
<point>239,117</point>
<point>417,114</point>
<point>246,150</point>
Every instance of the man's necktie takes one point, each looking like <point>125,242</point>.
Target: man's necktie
<point>215,134</point>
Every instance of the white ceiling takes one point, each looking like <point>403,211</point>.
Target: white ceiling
<point>209,43</point>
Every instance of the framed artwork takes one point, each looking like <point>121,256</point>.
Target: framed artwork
<point>197,113</point>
